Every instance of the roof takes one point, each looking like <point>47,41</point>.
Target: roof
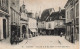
<point>55,15</point>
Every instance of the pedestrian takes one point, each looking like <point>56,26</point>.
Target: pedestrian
<point>61,34</point>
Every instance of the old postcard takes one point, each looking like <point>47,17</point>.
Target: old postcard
<point>39,24</point>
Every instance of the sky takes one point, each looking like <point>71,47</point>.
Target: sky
<point>40,5</point>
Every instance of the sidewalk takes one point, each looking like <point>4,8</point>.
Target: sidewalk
<point>39,41</point>
<point>5,41</point>
<point>63,41</point>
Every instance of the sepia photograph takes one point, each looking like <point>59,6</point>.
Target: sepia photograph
<point>39,24</point>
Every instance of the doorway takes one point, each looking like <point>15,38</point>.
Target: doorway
<point>4,28</point>
<point>24,31</point>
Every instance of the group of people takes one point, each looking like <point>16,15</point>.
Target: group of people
<point>14,38</point>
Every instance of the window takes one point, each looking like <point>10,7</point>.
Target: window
<point>77,21</point>
<point>11,15</point>
<point>14,16</point>
<point>7,3</point>
<point>2,2</point>
<point>67,14</point>
<point>77,10</point>
<point>49,25</point>
<point>77,30</point>
<point>72,13</point>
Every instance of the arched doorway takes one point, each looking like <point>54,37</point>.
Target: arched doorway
<point>4,28</point>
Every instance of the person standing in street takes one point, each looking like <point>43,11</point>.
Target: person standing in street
<point>61,34</point>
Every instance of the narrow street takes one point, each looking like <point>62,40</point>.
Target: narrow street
<point>46,41</point>
<point>41,42</point>
<point>43,24</point>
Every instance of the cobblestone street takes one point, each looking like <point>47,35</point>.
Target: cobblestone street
<point>42,42</point>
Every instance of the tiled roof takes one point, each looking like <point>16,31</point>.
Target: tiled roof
<point>55,15</point>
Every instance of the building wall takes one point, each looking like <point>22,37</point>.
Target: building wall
<point>14,12</point>
<point>72,14</point>
<point>1,28</point>
<point>42,25</point>
<point>32,23</point>
<point>15,9</point>
<point>77,20</point>
<point>59,24</point>
<point>24,16</point>
<point>23,21</point>
<point>4,14</point>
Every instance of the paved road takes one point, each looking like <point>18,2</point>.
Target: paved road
<point>46,41</point>
<point>41,42</point>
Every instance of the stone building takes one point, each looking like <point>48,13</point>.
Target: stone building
<point>4,19</point>
<point>14,19</point>
<point>55,23</point>
<point>72,20</point>
<point>42,27</point>
<point>23,22</point>
<point>33,30</point>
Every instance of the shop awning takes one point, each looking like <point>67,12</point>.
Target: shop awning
<point>33,30</point>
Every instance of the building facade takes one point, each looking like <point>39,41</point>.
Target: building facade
<point>4,19</point>
<point>42,27</point>
<point>23,22</point>
<point>33,30</point>
<point>14,19</point>
<point>72,20</point>
<point>56,23</point>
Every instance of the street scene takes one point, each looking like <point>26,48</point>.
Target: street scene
<point>41,42</point>
<point>39,24</point>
